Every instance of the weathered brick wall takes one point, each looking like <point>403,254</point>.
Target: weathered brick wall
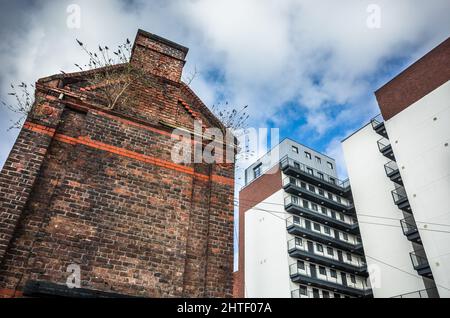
<point>108,197</point>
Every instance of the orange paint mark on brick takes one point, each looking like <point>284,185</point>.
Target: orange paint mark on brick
<point>85,140</point>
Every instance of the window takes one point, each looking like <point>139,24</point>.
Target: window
<point>298,241</point>
<point>338,199</point>
<point>323,209</point>
<point>316,227</point>
<point>315,293</point>
<point>307,155</point>
<point>333,214</point>
<point>310,171</point>
<point>311,188</point>
<point>330,165</point>
<point>301,265</point>
<point>337,295</point>
<point>303,290</point>
<point>319,248</point>
<point>330,196</point>
<point>332,180</point>
<point>318,160</point>
<point>294,149</point>
<point>257,171</point>
<point>322,270</point>
<point>345,236</point>
<point>333,273</point>
<point>330,251</point>
<point>296,220</point>
<point>327,230</point>
<point>305,204</point>
<point>349,257</point>
<point>353,279</point>
<point>320,175</point>
<point>321,192</point>
<point>296,165</point>
<point>325,294</point>
<point>314,207</point>
<point>341,216</point>
<point>303,185</point>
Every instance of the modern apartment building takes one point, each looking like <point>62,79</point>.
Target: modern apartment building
<point>399,168</point>
<point>298,232</point>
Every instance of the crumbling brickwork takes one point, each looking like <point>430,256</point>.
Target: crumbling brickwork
<point>97,188</point>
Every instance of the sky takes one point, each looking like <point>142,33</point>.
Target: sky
<point>308,68</point>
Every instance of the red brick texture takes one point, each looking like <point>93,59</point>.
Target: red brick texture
<point>251,195</point>
<point>94,187</point>
<point>418,80</point>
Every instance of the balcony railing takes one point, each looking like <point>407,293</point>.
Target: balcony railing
<point>384,144</point>
<point>311,276</point>
<point>293,204</point>
<point>306,293</point>
<point>391,168</point>
<point>408,225</point>
<point>401,198</point>
<point>299,248</point>
<point>419,261</point>
<point>424,293</point>
<point>313,174</point>
<point>296,186</point>
<point>298,226</point>
<point>378,125</point>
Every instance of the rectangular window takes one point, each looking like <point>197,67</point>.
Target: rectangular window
<point>330,196</point>
<point>314,207</point>
<point>325,294</point>
<point>332,180</point>
<point>330,165</point>
<point>330,251</point>
<point>320,175</point>
<point>303,185</point>
<point>322,270</point>
<point>301,265</point>
<point>316,227</point>
<point>337,295</point>
<point>315,293</point>
<point>307,155</point>
<point>345,236</point>
<point>323,209</point>
<point>327,230</point>
<point>294,149</point>
<point>311,188</point>
<point>353,279</point>
<point>319,248</point>
<point>333,273</point>
<point>296,165</point>
<point>321,192</point>
<point>333,214</point>
<point>310,171</point>
<point>318,160</point>
<point>298,241</point>
<point>305,204</point>
<point>338,199</point>
<point>296,220</point>
<point>349,257</point>
<point>303,290</point>
<point>257,171</point>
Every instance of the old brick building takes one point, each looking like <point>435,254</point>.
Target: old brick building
<point>97,188</point>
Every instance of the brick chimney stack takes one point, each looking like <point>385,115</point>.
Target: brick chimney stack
<point>159,56</point>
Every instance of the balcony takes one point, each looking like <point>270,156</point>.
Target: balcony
<point>384,145</point>
<point>409,228</point>
<point>401,199</point>
<point>378,125</point>
<point>292,205</point>
<point>303,229</point>
<point>424,293</point>
<point>393,173</point>
<point>296,169</point>
<point>309,276</point>
<point>303,250</point>
<point>305,293</point>
<point>420,263</point>
<point>294,186</point>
